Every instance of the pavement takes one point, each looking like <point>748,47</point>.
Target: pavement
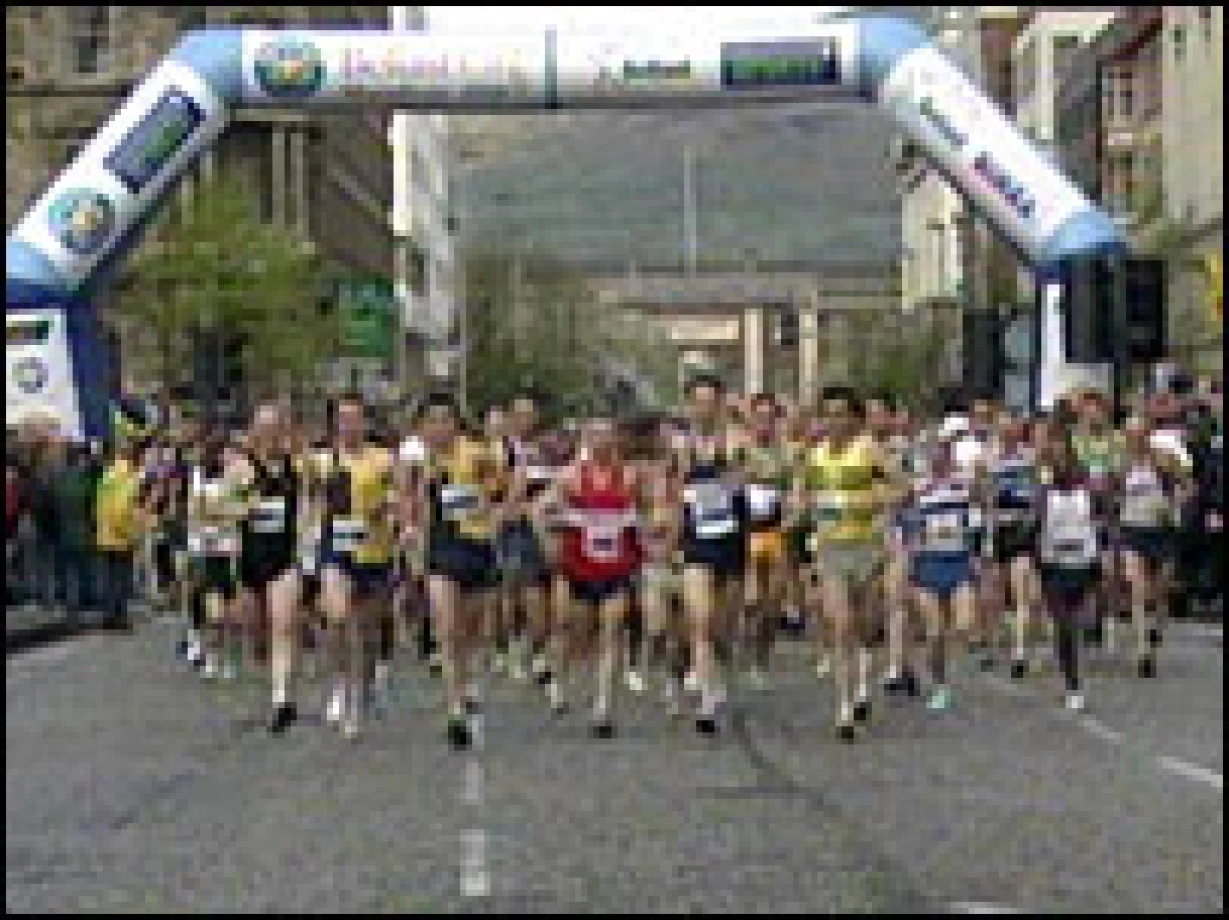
<point>132,785</point>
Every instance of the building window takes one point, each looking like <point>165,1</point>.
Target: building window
<point>418,270</point>
<point>89,39</point>
<point>1178,36</point>
<point>1026,72</point>
<point>1065,49</point>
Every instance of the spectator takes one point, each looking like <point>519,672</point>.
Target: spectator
<point>117,531</point>
<point>72,492</point>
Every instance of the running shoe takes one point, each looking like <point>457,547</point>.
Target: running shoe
<point>602,727</point>
<point>823,667</point>
<point>1075,702</point>
<point>1147,667</point>
<point>940,700</point>
<point>283,717</point>
<point>862,711</point>
<point>845,731</point>
<point>458,732</point>
<point>1019,668</point>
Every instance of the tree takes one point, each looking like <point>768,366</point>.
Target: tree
<point>216,265</point>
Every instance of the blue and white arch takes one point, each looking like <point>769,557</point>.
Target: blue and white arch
<point>93,213</point>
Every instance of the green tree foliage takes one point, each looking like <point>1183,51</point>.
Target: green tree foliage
<point>215,264</point>
<point>532,322</point>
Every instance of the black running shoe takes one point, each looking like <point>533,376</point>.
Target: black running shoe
<point>543,678</point>
<point>862,711</point>
<point>913,686</point>
<point>846,732</point>
<point>603,728</point>
<point>1019,669</point>
<point>894,686</point>
<point>283,717</point>
<point>706,725</point>
<point>987,662</point>
<point>1154,638</point>
<point>458,733</point>
<point>435,668</point>
<point>473,707</point>
<point>1147,667</point>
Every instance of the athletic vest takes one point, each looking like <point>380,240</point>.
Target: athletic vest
<point>220,506</point>
<point>600,543</point>
<point>945,520</point>
<point>766,476</point>
<point>1100,456</point>
<point>357,487</point>
<point>271,522</point>
<point>460,500</point>
<point>843,486</point>
<point>1015,483</point>
<point>1069,532</point>
<point>712,504</point>
<point>1145,499</point>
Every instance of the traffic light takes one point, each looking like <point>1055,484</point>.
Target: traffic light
<point>1089,315</point>
<point>788,328</point>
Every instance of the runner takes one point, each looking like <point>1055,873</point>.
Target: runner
<point>1070,556</point>
<point>525,575</point>
<point>215,510</point>
<point>353,486</point>
<point>844,481</point>
<point>767,468</point>
<point>268,563</point>
<point>455,507</point>
<point>1147,518</point>
<point>942,533</point>
<point>1014,480</point>
<point>713,538</point>
<point>600,554</point>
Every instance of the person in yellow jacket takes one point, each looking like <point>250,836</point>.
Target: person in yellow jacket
<point>118,522</point>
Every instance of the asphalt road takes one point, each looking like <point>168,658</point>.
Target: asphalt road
<point>131,785</point>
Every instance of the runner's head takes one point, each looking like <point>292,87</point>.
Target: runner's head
<point>764,415</point>
<point>1137,435</point>
<point>495,425</point>
<point>523,415</point>
<point>982,415</point>
<point>601,439</point>
<point>269,430</point>
<point>842,411</point>
<point>1093,410</point>
<point>705,394</point>
<point>439,419</point>
<point>351,420</point>
<point>881,413</point>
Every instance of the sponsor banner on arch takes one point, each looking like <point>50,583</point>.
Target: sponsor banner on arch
<point>966,134</point>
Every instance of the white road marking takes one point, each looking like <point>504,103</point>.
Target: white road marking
<point>475,880</point>
<point>982,907</point>
<point>1101,730</point>
<point>1193,771</point>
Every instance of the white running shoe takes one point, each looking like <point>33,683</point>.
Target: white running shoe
<point>332,710</point>
<point>1075,702</point>
<point>211,671</point>
<point>635,683</point>
<point>691,683</point>
<point>195,652</point>
<point>823,667</point>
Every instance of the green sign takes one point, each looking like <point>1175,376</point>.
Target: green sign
<point>368,310</point>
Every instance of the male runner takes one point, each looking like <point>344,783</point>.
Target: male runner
<point>844,481</point>
<point>454,505</point>
<point>354,487</point>
<point>713,538</point>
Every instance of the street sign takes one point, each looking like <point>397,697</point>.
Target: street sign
<point>368,310</point>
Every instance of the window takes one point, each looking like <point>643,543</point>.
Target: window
<point>1178,36</point>
<point>89,39</point>
<point>1026,73</point>
<point>1065,49</point>
<point>418,270</point>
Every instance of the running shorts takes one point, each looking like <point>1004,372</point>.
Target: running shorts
<point>941,574</point>
<point>1155,544</point>
<point>597,593</point>
<point>857,565</point>
<point>1014,540</point>
<point>470,564</point>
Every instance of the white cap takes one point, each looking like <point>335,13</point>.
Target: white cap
<point>413,451</point>
<point>954,426</point>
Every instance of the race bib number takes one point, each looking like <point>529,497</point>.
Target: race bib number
<point>458,502</point>
<point>213,541</point>
<point>762,501</point>
<point>712,509</point>
<point>269,516</point>
<point>601,542</point>
<point>348,534</point>
<point>830,508</point>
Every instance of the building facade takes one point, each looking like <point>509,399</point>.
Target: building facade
<point>324,175</point>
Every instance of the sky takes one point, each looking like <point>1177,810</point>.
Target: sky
<point>494,18</point>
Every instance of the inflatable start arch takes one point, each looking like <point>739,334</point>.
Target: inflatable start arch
<point>61,250</point>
